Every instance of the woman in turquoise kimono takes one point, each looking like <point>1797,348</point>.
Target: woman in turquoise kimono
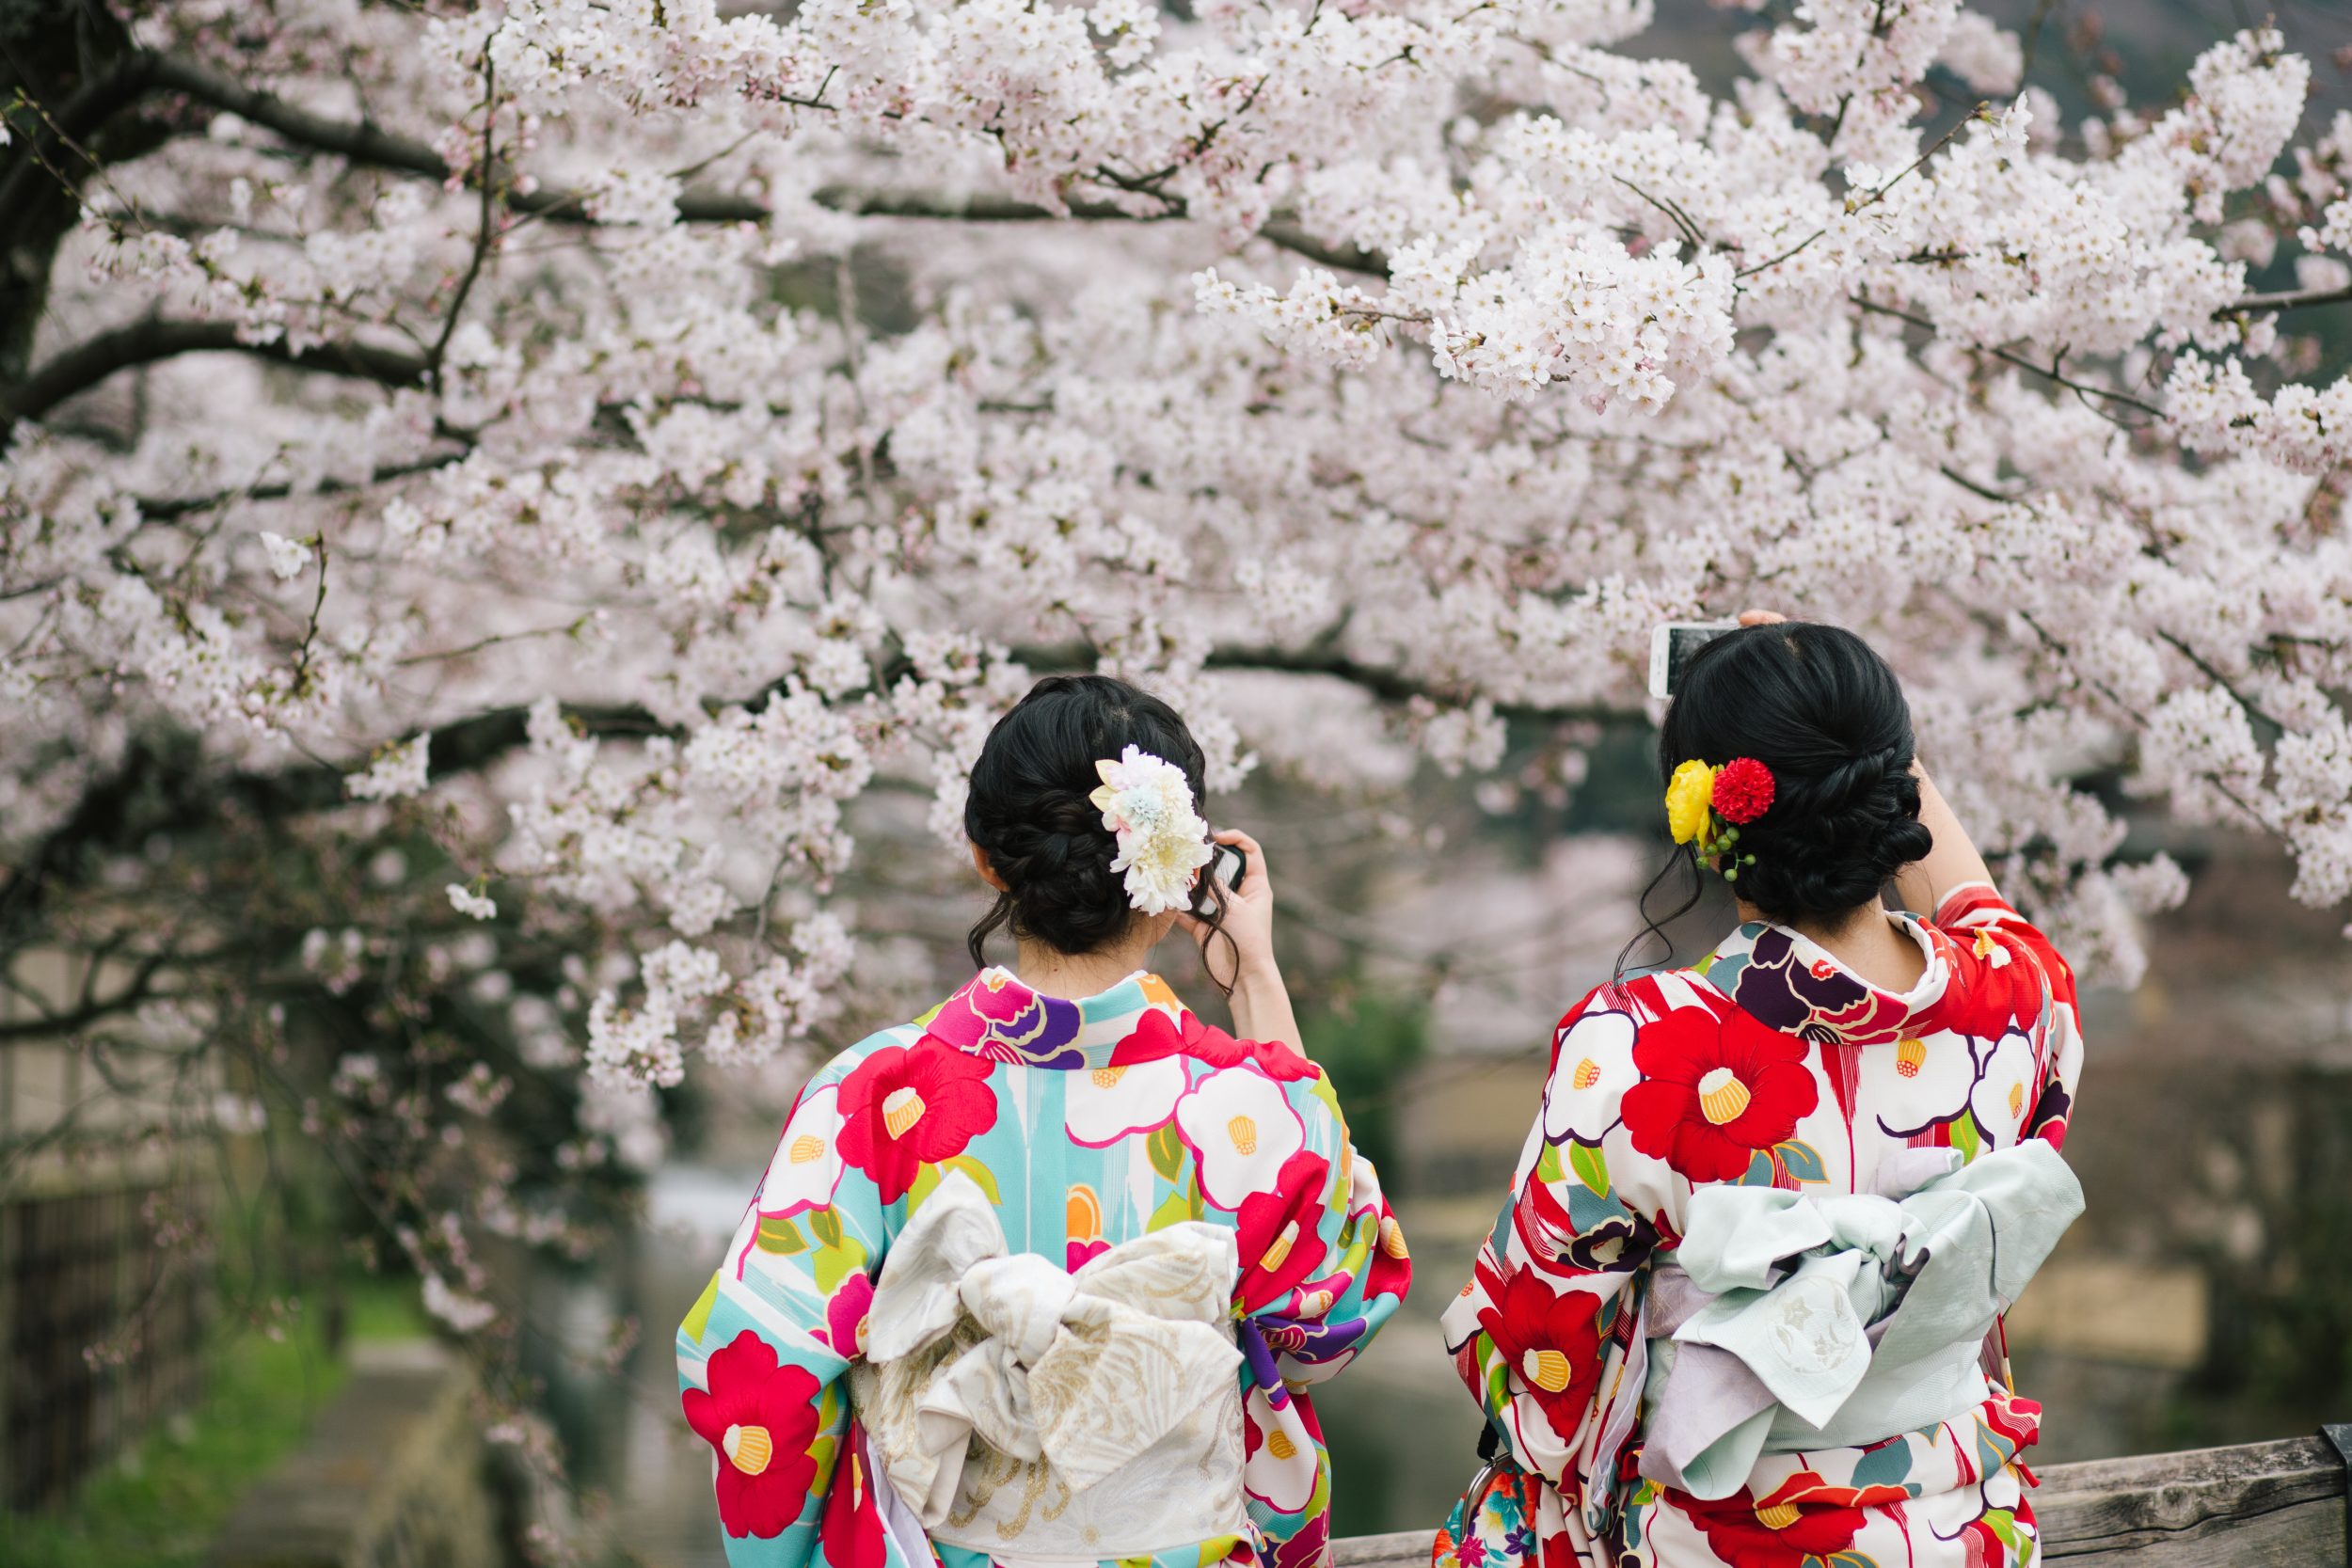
<point>1743,1303</point>
<point>1048,1273</point>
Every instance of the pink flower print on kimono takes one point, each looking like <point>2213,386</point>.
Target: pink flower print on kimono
<point>1155,1036</point>
<point>1242,1128</point>
<point>905,1108</point>
<point>998,1017</point>
<point>847,1311</point>
<point>1278,1228</point>
<point>760,1416</point>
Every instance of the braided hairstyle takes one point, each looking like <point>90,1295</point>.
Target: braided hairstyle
<point>1819,708</point>
<point>1027,809</point>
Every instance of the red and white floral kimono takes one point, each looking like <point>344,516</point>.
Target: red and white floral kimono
<point>1768,1063</point>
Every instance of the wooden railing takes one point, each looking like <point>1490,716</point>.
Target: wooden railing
<point>2265,1505</point>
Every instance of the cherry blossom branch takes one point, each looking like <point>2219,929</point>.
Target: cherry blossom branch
<point>1675,214</point>
<point>2291,299</point>
<point>486,230</point>
<point>84,365</point>
<point>166,507</point>
<point>1877,194</point>
<point>2220,784</point>
<point>75,119</point>
<point>2050,371</point>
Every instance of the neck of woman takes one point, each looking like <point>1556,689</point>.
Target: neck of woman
<point>1865,941</point>
<point>1049,972</point>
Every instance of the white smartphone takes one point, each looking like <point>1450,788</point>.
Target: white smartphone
<point>1670,645</point>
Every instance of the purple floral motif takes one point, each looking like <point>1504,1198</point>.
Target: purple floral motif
<point>997,1017</point>
<point>1816,1001</point>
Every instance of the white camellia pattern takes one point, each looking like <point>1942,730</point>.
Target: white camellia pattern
<point>1107,1103</point>
<point>2005,1084</point>
<point>1595,1068</point>
<point>806,1170</point>
<point>1239,1123</point>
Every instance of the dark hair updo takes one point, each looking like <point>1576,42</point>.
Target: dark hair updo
<point>1028,810</point>
<point>1819,708</point>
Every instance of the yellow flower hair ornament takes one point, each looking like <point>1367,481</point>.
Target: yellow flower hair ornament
<point>1706,806</point>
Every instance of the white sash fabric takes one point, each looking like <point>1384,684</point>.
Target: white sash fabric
<point>1088,1416</point>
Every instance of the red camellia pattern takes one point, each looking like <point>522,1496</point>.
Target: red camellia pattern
<point>1775,1531</point>
<point>1714,1090</point>
<point>1156,1037</point>
<point>904,1108</point>
<point>1996,985</point>
<point>1743,791</point>
<point>760,1417</point>
<point>1550,1340</point>
<point>1278,1229</point>
<point>850,1532</point>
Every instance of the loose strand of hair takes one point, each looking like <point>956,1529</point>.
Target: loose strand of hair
<point>1651,927</point>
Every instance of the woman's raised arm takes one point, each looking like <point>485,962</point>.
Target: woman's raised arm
<point>1954,861</point>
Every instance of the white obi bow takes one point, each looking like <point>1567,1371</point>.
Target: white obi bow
<point>1077,1376</point>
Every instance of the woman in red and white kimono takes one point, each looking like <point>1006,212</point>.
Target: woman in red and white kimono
<point>1728,1203</point>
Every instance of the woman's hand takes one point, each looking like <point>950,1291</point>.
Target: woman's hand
<point>1249,919</point>
<point>1262,1004</point>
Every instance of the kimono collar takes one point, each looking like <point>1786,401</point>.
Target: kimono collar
<point>1789,982</point>
<point>996,1015</point>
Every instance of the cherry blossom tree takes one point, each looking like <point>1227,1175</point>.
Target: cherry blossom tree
<point>516,519</point>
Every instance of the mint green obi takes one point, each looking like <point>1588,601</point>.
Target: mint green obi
<point>1788,1322</point>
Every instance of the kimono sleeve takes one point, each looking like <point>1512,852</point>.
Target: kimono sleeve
<point>1539,1333</point>
<point>1992,931</point>
<point>762,1352</point>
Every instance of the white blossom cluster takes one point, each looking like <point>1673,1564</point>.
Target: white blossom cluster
<point>651,477</point>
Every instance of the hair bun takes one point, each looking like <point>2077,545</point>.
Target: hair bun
<point>1825,714</point>
<point>1030,812</point>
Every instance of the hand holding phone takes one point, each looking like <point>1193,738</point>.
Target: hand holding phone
<point>1230,866</point>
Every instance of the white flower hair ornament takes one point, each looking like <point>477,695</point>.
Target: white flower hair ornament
<point>1163,842</point>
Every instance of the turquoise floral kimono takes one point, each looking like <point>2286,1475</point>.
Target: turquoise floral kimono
<point>1085,1125</point>
<point>1768,1066</point>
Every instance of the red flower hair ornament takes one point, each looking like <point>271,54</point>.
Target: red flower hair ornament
<point>1706,808</point>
